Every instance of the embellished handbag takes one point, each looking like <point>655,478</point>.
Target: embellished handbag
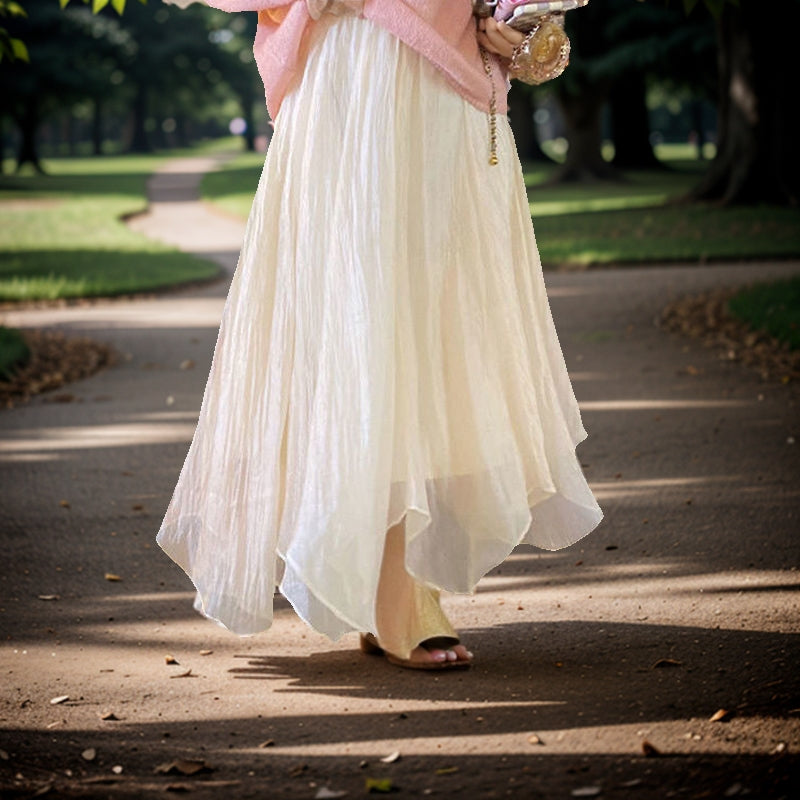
<point>523,15</point>
<point>544,53</point>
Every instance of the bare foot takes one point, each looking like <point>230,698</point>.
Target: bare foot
<point>428,652</point>
<point>441,653</point>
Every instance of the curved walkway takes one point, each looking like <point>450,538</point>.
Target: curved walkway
<point>694,569</point>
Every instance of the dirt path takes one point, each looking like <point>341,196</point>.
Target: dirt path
<point>683,603</point>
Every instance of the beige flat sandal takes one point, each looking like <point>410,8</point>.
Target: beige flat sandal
<point>369,645</point>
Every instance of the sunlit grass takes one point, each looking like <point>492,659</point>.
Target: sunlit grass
<point>63,234</point>
<point>232,187</point>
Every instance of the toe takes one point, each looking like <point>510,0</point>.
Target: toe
<point>422,654</point>
<point>461,653</point>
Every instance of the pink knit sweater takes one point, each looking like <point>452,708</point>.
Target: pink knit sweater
<point>443,31</point>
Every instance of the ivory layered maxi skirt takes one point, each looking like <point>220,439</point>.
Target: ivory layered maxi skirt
<point>386,354</point>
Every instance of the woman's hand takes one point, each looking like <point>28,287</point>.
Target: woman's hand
<point>497,37</point>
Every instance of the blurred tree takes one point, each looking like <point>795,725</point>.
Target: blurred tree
<point>155,61</point>
<point>619,47</point>
<point>235,34</point>
<point>58,75</point>
<point>173,58</point>
<point>521,108</point>
<point>650,44</point>
<point>757,159</point>
<point>11,48</point>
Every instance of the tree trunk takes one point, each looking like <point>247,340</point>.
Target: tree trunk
<point>28,124</point>
<point>181,130</point>
<point>581,97</point>
<point>70,134</point>
<point>140,142</point>
<point>520,115</point>
<point>582,114</point>
<point>2,143</point>
<point>630,123</point>
<point>757,159</point>
<point>97,127</point>
<point>699,127</point>
<point>247,100</point>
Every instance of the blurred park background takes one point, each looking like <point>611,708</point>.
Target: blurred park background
<point>670,139</point>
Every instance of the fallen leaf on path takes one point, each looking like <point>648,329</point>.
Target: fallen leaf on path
<point>64,397</point>
<point>649,749</point>
<point>110,576</point>
<point>720,716</point>
<point>60,699</point>
<point>137,507</point>
<point>378,785</point>
<point>666,662</point>
<point>206,652</point>
<point>49,597</point>
<point>586,791</point>
<point>178,787</point>
<point>117,769</point>
<point>268,743</point>
<point>109,715</point>
<point>4,756</point>
<point>64,504</point>
<point>324,793</point>
<point>187,364</point>
<point>297,770</point>
<point>89,754</point>
<point>51,725</point>
<point>391,758</point>
<point>183,766</point>
<point>446,770</point>
<point>170,660</point>
<point>534,739</point>
<point>186,674</point>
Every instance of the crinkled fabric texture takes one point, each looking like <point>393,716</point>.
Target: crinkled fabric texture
<point>386,352</point>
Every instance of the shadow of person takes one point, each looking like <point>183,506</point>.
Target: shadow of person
<point>550,676</point>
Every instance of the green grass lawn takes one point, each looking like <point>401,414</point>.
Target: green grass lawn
<point>771,307</point>
<point>62,235</point>
<point>579,226</point>
<point>232,187</point>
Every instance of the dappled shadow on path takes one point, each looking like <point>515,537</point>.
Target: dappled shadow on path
<point>259,773</point>
<point>691,569</point>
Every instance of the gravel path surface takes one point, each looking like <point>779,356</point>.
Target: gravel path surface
<point>682,604</point>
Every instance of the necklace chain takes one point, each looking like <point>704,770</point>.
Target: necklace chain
<point>487,68</point>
